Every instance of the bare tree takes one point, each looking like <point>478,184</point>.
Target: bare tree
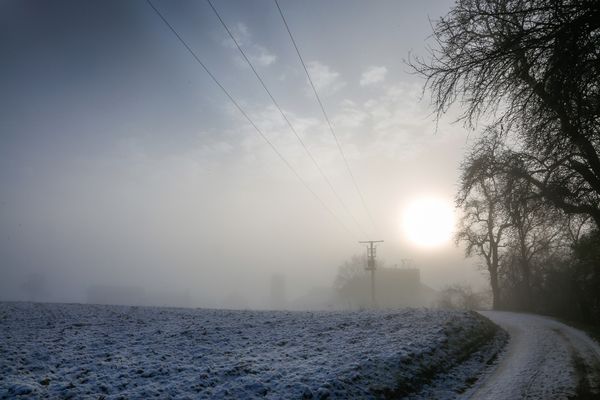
<point>506,223</point>
<point>532,66</point>
<point>349,269</point>
<point>460,297</point>
<point>536,231</point>
<point>483,223</point>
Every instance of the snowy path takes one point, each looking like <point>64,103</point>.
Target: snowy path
<point>544,359</point>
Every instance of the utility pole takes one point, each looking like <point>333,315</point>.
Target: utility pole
<point>371,254</point>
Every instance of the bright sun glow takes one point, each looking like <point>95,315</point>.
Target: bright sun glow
<point>428,222</point>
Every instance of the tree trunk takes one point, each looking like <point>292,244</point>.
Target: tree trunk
<point>526,302</point>
<point>493,268</point>
<point>495,291</point>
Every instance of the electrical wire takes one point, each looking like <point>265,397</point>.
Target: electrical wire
<point>337,142</point>
<point>247,117</point>
<point>286,119</point>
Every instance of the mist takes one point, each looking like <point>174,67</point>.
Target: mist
<point>127,176</point>
<point>349,199</point>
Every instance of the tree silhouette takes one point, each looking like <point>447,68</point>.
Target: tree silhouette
<point>534,68</point>
<point>483,224</point>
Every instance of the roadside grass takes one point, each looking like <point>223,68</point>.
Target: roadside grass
<point>593,331</point>
<point>459,348</point>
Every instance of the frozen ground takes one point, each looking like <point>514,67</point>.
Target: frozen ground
<point>544,359</point>
<point>110,352</point>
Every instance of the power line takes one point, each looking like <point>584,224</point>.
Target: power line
<point>337,142</point>
<point>339,198</point>
<point>241,110</point>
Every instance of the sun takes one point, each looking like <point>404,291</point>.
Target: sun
<point>428,222</point>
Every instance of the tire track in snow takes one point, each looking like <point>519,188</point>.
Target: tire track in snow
<point>544,359</point>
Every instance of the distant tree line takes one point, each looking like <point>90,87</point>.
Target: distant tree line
<point>527,74</point>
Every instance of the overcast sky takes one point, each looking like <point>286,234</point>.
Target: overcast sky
<point>121,162</point>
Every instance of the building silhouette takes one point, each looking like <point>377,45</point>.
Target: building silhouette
<point>394,288</point>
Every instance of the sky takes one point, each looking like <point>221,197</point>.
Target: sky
<point>122,163</point>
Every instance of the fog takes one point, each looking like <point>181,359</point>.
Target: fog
<point>126,175</point>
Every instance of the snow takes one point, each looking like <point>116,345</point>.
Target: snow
<point>544,359</point>
<point>112,352</point>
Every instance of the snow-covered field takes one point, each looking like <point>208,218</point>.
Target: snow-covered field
<point>111,352</point>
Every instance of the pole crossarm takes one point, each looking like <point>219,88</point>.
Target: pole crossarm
<point>371,254</point>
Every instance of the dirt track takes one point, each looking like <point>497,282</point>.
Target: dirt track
<point>544,359</point>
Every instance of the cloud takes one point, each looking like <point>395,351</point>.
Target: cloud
<point>242,30</point>
<point>240,33</point>
<point>326,80</point>
<point>261,56</point>
<point>350,115</point>
<point>392,125</point>
<point>373,75</point>
<point>258,54</point>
